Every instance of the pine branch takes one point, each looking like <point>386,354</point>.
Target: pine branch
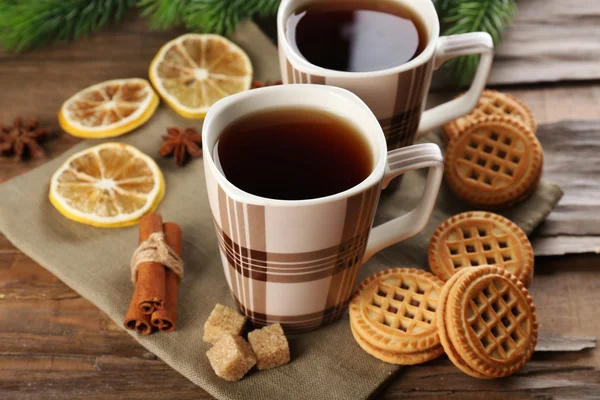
<point>442,6</point>
<point>491,16</point>
<point>163,14</point>
<point>214,16</point>
<point>25,24</point>
<point>223,16</point>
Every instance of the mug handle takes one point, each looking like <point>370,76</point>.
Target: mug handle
<point>404,159</point>
<point>454,46</point>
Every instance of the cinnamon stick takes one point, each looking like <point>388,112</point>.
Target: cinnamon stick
<point>149,292</point>
<point>166,319</point>
<point>136,320</point>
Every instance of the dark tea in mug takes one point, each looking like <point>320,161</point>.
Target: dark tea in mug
<point>293,154</point>
<point>356,36</point>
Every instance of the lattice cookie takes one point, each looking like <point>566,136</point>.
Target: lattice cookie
<point>392,316</point>
<point>495,163</point>
<point>488,325</point>
<point>492,102</point>
<point>397,358</point>
<point>480,238</point>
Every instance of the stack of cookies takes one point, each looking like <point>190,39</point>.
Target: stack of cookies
<point>487,322</point>
<point>483,318</point>
<point>392,316</point>
<point>493,159</point>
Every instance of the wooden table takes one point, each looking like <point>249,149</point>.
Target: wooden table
<point>55,344</point>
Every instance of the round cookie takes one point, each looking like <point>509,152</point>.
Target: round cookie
<point>489,322</point>
<point>441,316</point>
<point>397,358</point>
<point>492,102</point>
<point>495,163</point>
<point>394,310</point>
<point>392,316</point>
<point>478,238</point>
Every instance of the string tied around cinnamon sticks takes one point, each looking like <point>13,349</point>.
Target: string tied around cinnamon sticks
<point>155,249</point>
<point>156,271</point>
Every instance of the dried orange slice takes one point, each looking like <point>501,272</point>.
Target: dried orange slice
<point>110,185</point>
<point>109,108</point>
<point>194,71</point>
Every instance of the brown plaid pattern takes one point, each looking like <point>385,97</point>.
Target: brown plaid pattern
<point>411,89</point>
<point>319,264</point>
<point>258,276</point>
<point>297,323</point>
<point>400,129</point>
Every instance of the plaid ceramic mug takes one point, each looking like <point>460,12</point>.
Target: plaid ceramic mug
<point>397,95</point>
<point>296,261</point>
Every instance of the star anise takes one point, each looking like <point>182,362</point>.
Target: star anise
<point>181,144</point>
<point>23,139</point>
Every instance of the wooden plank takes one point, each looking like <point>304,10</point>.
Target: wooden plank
<point>6,246</point>
<point>542,379</point>
<point>103,377</point>
<point>558,343</point>
<point>23,279</point>
<point>561,244</point>
<point>92,343</point>
<point>564,291</point>
<point>571,151</point>
<point>554,103</point>
<point>550,40</point>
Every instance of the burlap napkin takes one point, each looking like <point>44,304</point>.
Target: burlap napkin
<point>325,364</point>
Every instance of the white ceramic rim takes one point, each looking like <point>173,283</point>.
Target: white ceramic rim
<point>287,7</point>
<point>319,95</point>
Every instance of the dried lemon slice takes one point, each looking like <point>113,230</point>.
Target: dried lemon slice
<point>109,108</point>
<point>194,71</point>
<point>110,185</point>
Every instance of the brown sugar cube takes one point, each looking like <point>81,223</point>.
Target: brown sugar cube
<point>231,357</point>
<point>221,321</point>
<point>270,346</point>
